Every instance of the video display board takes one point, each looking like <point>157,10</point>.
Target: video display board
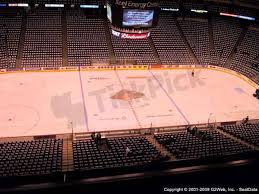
<point>133,14</point>
<point>137,18</point>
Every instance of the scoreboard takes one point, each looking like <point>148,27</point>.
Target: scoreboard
<point>137,18</point>
<point>133,15</point>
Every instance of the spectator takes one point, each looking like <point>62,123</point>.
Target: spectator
<point>93,136</point>
<point>128,151</point>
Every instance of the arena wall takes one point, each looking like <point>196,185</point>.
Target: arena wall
<point>130,67</point>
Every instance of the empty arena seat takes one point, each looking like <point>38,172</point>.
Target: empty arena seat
<point>246,53</point>
<point>226,32</point>
<point>185,145</point>
<point>247,132</point>
<point>169,43</point>
<point>10,28</point>
<point>43,39</point>
<point>129,49</point>
<point>86,39</point>
<point>30,158</point>
<point>196,32</point>
<point>87,154</point>
<point>3,59</point>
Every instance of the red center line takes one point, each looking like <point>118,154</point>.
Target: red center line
<point>129,101</point>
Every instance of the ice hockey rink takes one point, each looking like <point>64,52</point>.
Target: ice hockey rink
<point>43,103</point>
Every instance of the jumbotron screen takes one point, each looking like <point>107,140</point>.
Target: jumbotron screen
<point>137,18</point>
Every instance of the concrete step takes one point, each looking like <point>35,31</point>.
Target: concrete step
<point>68,161</point>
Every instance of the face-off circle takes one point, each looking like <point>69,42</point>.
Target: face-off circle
<point>18,118</point>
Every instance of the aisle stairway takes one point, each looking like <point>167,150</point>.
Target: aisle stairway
<point>239,41</point>
<point>67,158</point>
<point>186,42</point>
<point>159,147</point>
<point>21,42</point>
<point>152,46</point>
<point>108,39</point>
<point>64,39</point>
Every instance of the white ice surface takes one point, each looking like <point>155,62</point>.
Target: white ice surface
<point>54,103</point>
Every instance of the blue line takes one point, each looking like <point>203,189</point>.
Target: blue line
<point>83,98</point>
<point>171,99</point>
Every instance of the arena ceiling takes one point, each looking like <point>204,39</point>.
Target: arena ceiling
<point>244,3</point>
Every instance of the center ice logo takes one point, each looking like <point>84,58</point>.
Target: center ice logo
<point>142,93</point>
<point>127,95</point>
